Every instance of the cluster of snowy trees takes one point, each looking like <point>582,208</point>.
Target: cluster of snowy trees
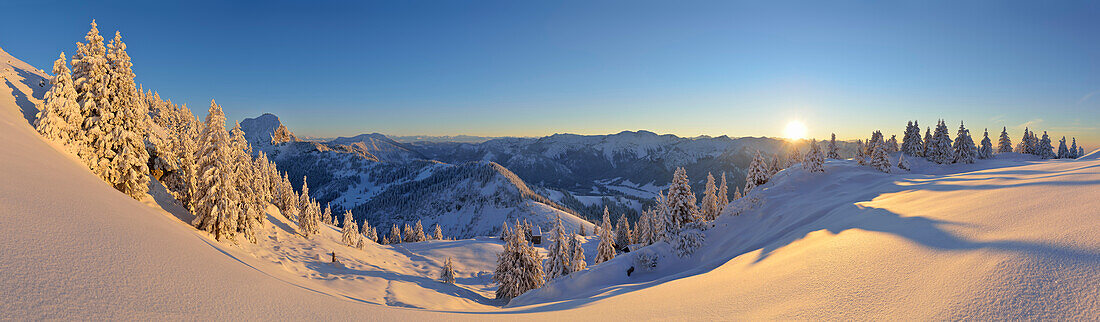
<point>676,218</point>
<point>1031,144</point>
<point>125,134</point>
<point>412,234</point>
<point>565,253</point>
<point>938,147</point>
<point>96,112</point>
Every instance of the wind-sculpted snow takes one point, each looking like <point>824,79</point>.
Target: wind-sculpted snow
<point>1008,238</point>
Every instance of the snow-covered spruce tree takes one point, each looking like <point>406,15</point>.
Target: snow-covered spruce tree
<point>774,168</point>
<point>1063,151</point>
<point>879,159</point>
<point>303,198</point>
<point>217,201</point>
<point>410,235</point>
<point>437,233</point>
<point>264,178</point>
<point>309,222</point>
<point>986,150</point>
<point>757,173</point>
<point>815,160</point>
<point>251,205</point>
<point>577,262</point>
<point>1080,151</point>
<point>965,151</point>
<point>927,142</point>
<point>59,120</point>
<point>1028,143</point>
<point>1044,149</point>
<point>418,232</point>
<point>367,231</point>
<point>903,163</point>
<point>687,240</point>
<point>519,267</point>
<point>1033,143</point>
<point>189,133</point>
<point>892,144</point>
<point>505,231</point>
<point>861,155</point>
<point>605,251</point>
<point>940,150</point>
<point>351,235</point>
<point>447,273</point>
<point>622,233</point>
<point>395,235</point>
<point>662,223</point>
<point>1004,144</point>
<point>833,149</point>
<point>91,73</point>
<point>605,224</point>
<point>723,193</point>
<point>708,207</point>
<point>681,200</point>
<point>1073,150</point>
<point>876,139</point>
<point>326,215</point>
<point>911,142</point>
<point>737,194</point>
<point>163,153</point>
<point>794,156</point>
<point>558,257</point>
<point>309,214</point>
<point>288,204</point>
<point>642,233</point>
<point>128,124</point>
<point>373,235</point>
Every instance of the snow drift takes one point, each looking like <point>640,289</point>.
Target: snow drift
<point>1013,237</point>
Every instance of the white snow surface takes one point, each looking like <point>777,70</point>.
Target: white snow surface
<point>1013,237</point>
<point>1009,238</point>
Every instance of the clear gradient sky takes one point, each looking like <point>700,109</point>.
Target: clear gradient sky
<point>532,68</point>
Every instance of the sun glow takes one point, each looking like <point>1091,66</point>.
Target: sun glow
<point>795,130</point>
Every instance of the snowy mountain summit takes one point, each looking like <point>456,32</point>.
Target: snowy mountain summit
<point>266,130</point>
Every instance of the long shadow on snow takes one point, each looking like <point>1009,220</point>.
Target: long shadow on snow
<point>848,214</point>
<point>424,282</point>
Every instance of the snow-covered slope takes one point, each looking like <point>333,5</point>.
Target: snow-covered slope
<point>381,147</point>
<point>467,200</point>
<point>21,86</point>
<point>1008,238</point>
<point>1012,238</point>
<point>1094,155</point>
<point>72,247</point>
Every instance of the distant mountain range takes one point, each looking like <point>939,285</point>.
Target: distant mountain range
<point>471,186</point>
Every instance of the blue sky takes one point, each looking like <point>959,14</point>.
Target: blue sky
<point>529,68</point>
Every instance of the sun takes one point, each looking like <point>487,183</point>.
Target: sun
<point>795,130</point>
